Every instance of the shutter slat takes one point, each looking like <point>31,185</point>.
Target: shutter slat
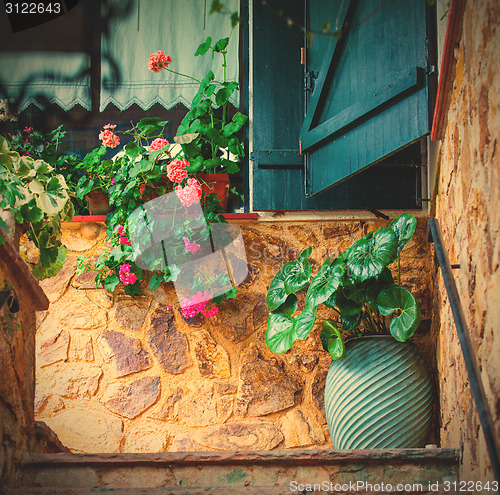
<point>364,109</point>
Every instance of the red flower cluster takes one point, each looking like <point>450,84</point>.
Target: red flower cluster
<point>123,237</point>
<point>158,61</point>
<point>176,170</point>
<point>189,194</point>
<point>190,247</point>
<point>191,307</point>
<point>108,137</point>
<point>158,144</point>
<point>126,276</point>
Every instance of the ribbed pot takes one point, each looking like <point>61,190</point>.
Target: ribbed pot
<point>379,395</point>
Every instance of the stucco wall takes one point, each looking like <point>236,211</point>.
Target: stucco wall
<point>116,374</point>
<point>468,210</point>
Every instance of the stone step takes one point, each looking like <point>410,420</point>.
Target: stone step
<point>255,490</point>
<point>245,472</point>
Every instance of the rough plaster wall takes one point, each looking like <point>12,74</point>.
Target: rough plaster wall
<point>116,374</point>
<point>469,213</point>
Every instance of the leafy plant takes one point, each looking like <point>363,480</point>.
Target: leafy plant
<point>38,198</point>
<point>49,147</point>
<point>211,140</point>
<point>146,168</point>
<point>357,286</point>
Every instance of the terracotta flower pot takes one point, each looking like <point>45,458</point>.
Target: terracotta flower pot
<point>98,202</point>
<point>218,184</point>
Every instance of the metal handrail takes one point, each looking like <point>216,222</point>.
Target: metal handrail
<point>434,235</point>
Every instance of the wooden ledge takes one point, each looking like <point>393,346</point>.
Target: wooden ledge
<point>14,266</point>
<point>286,457</point>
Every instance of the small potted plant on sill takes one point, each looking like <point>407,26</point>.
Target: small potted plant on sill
<point>99,173</point>
<point>212,140</point>
<point>378,391</point>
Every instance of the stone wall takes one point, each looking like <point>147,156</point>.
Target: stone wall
<point>17,363</point>
<point>467,208</point>
<point>122,374</point>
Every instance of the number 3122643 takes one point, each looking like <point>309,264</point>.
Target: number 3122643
<point>33,8</point>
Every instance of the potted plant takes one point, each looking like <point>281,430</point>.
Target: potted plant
<point>212,141</point>
<point>378,391</point>
<point>99,173</point>
<point>152,174</point>
<point>37,198</point>
<point>49,148</point>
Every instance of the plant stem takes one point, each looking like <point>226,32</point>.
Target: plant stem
<point>184,75</point>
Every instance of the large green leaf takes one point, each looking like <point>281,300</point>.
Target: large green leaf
<point>111,281</point>
<point>280,334</point>
<point>222,96</point>
<point>31,213</point>
<point>396,298</point>
<point>203,47</point>
<point>404,227</point>
<point>297,273</point>
<point>369,257</point>
<point>235,125</point>
<point>289,306</point>
<point>276,295</point>
<point>332,341</point>
<point>304,323</point>
<point>326,282</point>
<point>54,198</point>
<point>221,44</point>
<point>141,167</point>
<point>50,262</point>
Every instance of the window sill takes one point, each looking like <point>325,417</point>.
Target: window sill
<point>326,215</point>
<point>227,216</point>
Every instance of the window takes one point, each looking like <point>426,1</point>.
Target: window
<point>88,66</point>
<point>345,129</point>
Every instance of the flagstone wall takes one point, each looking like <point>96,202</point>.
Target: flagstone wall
<point>467,207</point>
<point>122,374</point>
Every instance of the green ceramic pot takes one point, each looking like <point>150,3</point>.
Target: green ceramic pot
<point>379,395</point>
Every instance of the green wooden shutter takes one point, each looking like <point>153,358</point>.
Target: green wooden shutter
<point>371,96</point>
<point>278,108</point>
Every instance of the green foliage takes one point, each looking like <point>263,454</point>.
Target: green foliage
<point>49,148</point>
<point>357,286</point>
<point>134,176</point>
<point>212,133</point>
<point>38,198</point>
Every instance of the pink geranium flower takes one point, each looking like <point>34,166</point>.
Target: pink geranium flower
<point>109,138</point>
<point>189,246</point>
<point>159,61</point>
<point>176,170</point>
<point>126,276</point>
<point>124,240</point>
<point>189,194</point>
<point>157,144</point>
<point>197,304</point>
